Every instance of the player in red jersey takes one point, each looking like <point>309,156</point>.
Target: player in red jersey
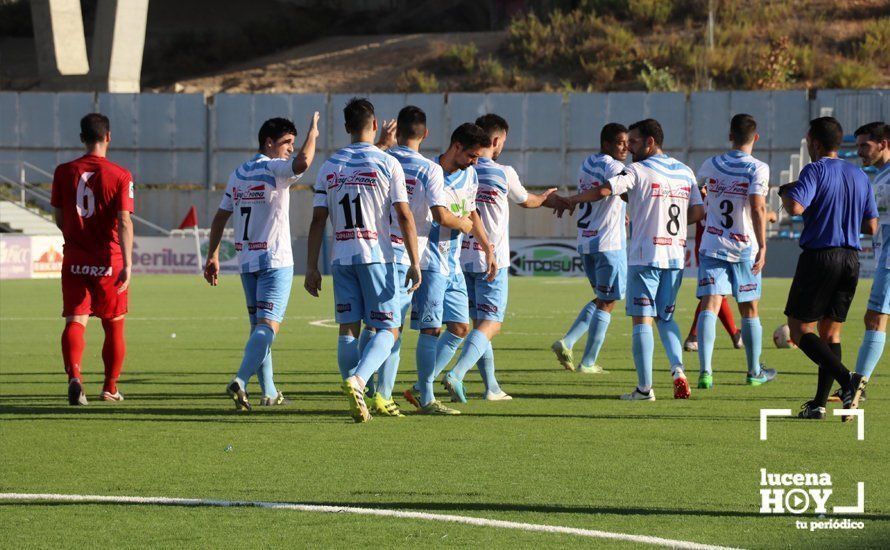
<point>93,199</point>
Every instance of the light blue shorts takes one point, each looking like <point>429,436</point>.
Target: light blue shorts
<point>652,291</point>
<point>440,299</point>
<point>367,292</point>
<point>879,299</point>
<point>720,277</point>
<point>607,273</point>
<point>404,295</point>
<point>268,291</point>
<point>487,300</point>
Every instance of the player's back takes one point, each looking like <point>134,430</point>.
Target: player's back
<point>358,184</point>
<point>420,174</point>
<point>91,191</point>
<point>601,223</point>
<point>731,178</point>
<point>498,184</point>
<point>658,202</point>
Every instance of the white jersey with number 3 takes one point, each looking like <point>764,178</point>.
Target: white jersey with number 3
<point>259,196</point>
<point>731,179</point>
<point>659,191</point>
<point>358,185</point>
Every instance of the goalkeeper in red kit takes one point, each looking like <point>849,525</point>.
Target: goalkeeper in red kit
<point>93,199</point>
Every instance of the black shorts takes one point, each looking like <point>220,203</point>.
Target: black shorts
<point>824,284</point>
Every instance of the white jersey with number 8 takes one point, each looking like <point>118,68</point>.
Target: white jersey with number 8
<point>258,195</point>
<point>659,191</point>
<point>358,185</point>
<point>731,178</point>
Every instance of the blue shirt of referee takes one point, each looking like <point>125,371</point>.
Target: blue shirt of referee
<point>835,199</point>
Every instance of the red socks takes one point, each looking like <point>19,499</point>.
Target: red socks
<point>726,318</point>
<point>72,348</point>
<point>113,352</point>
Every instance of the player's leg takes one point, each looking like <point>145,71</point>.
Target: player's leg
<point>746,289</point>
<point>875,323</point>
<point>563,347</point>
<point>691,343</point>
<point>363,340</point>
<point>494,300</point>
<point>713,284</point>
<point>384,404</point>
<point>348,306</point>
<point>642,286</point>
<point>669,331</point>
<point>382,311</point>
<point>611,276</point>
<point>76,309</point>
<point>456,316</point>
<point>273,295</point>
<point>426,316</point>
<point>729,324</point>
<point>110,305</point>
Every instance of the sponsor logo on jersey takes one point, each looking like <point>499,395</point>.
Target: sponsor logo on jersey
<point>662,241</point>
<point>706,281</point>
<point>381,315</point>
<point>239,247</point>
<point>590,232</point>
<point>343,308</point>
<point>642,301</point>
<point>740,237</point>
<point>396,239</point>
<point>265,306</point>
<point>487,196</point>
<point>258,246</point>
<point>715,231</point>
<point>346,235</point>
<point>366,234</point>
<point>256,193</point>
<point>363,179</point>
<point>410,184</point>
<point>488,308</point>
<point>750,287</point>
<point>91,270</point>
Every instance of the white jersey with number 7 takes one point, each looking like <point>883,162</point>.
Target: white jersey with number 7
<point>358,185</point>
<point>659,191</point>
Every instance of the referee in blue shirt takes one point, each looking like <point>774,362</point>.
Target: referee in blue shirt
<point>835,199</point>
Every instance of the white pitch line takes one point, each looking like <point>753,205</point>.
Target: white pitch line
<point>480,522</point>
<point>324,323</point>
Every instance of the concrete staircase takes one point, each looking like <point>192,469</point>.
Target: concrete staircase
<point>26,220</point>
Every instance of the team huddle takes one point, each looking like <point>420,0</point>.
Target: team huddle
<point>432,236</point>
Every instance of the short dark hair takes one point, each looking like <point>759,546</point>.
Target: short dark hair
<point>649,128</point>
<point>876,131</point>
<point>492,124</point>
<point>610,132</point>
<point>358,114</point>
<point>94,127</point>
<point>827,131</point>
<point>274,128</point>
<point>411,123</point>
<point>742,129</point>
<point>469,135</point>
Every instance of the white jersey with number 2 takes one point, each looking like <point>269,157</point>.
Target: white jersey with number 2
<point>731,179</point>
<point>358,185</point>
<point>258,195</point>
<point>659,191</point>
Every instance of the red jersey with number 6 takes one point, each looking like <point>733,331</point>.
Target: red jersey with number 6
<point>91,191</point>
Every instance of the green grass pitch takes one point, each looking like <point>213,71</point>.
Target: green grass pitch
<point>565,452</point>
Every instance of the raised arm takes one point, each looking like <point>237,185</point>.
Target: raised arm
<point>304,158</point>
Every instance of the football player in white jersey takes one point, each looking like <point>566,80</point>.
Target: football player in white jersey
<point>360,187</point>
<point>602,245</point>
<point>498,184</point>
<point>259,192</point>
<point>733,248</point>
<point>873,146</point>
<point>442,297</point>
<point>426,198</point>
<point>662,198</point>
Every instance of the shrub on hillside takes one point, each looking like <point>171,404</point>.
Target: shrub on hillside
<point>417,81</point>
<point>876,42</point>
<point>460,58</point>
<point>651,12</point>
<point>852,74</point>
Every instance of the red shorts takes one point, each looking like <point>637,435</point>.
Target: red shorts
<point>92,290</point>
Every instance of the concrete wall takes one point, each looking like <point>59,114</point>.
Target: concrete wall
<point>185,139</point>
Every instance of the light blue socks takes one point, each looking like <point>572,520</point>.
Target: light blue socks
<point>347,354</point>
<point>596,335</point>
<point>386,376</point>
<point>643,348</point>
<point>445,350</point>
<point>580,326</point>
<point>752,336</point>
<point>707,334</point>
<point>375,353</point>
<point>476,345</point>
<point>255,352</point>
<point>486,369</point>
<point>426,366</point>
<point>669,332</point>
<point>363,339</point>
<point>870,352</point>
